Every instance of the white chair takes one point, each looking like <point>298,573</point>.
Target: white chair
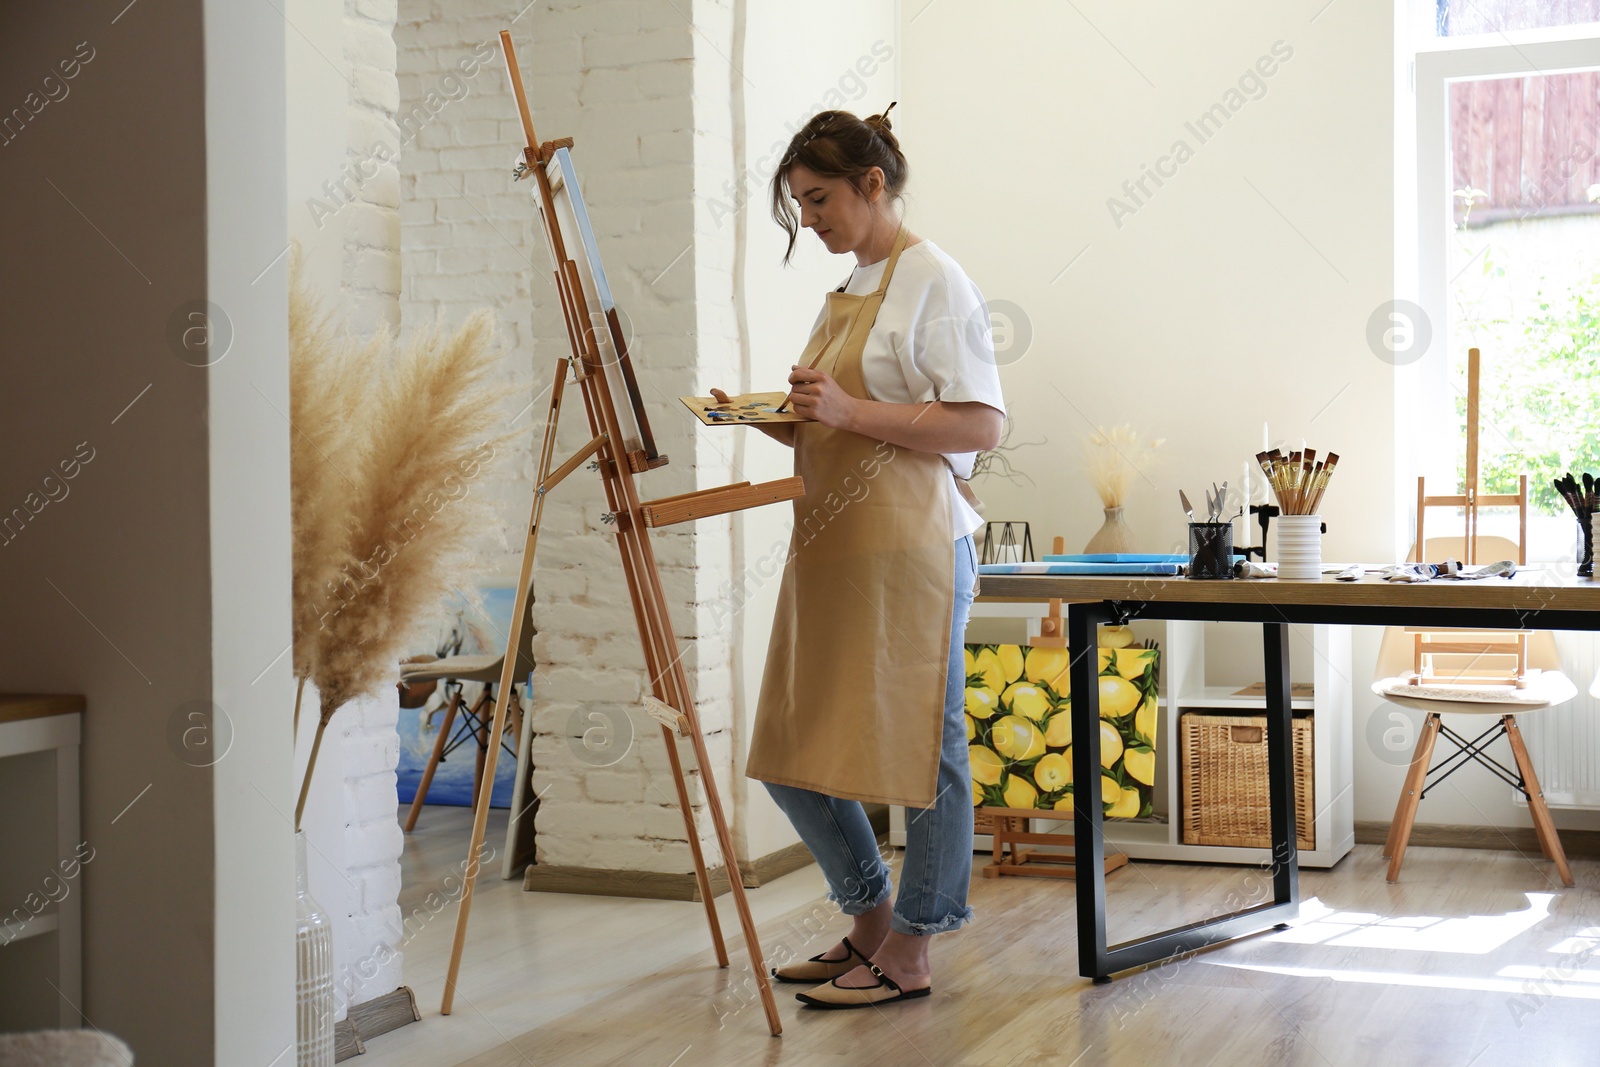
<point>1471,672</point>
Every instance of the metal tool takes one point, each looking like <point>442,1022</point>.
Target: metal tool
<point>1183,498</point>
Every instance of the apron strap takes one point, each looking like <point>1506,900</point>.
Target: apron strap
<point>894,257</point>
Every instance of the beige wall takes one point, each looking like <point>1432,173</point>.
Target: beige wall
<point>161,576</point>
<point>1234,293</point>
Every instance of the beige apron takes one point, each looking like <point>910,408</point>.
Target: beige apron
<point>852,701</point>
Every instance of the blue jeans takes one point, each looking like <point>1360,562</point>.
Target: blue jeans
<point>938,863</point>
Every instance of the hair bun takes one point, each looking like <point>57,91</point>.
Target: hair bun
<point>880,122</point>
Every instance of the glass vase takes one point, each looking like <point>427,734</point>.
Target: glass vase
<point>1114,536</point>
<point>313,950</point>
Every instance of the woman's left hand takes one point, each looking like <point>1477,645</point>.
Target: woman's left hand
<point>815,394</point>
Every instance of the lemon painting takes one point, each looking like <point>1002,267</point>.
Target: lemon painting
<point>1019,727</point>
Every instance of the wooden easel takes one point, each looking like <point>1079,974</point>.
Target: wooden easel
<point>599,362</point>
<point>1471,500</point>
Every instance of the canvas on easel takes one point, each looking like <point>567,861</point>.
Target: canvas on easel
<point>621,448</point>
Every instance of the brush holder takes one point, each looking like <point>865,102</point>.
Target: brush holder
<point>1300,548</point>
<point>1586,545</point>
<point>1211,550</point>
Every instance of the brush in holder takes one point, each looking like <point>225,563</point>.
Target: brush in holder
<point>1300,547</point>
<point>1586,531</point>
<point>1211,550</point>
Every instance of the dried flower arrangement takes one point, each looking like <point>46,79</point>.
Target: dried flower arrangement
<point>1112,457</point>
<point>388,442</point>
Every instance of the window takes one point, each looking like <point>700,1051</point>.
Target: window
<point>1508,201</point>
<point>1456,18</point>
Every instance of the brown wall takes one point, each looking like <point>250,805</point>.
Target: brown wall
<point>106,592</point>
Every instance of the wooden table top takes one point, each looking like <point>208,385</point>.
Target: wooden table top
<point>1532,589</point>
<point>14,707</point>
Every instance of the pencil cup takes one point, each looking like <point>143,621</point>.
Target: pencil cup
<point>1211,550</point>
<point>1586,540</point>
<point>1300,547</point>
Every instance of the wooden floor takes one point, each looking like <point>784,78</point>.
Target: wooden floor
<point>1477,957</point>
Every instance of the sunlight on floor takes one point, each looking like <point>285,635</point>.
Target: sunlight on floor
<point>1470,934</point>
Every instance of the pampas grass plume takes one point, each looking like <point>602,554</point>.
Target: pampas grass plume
<point>390,445</point>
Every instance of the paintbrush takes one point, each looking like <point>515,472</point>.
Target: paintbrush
<point>1322,481</point>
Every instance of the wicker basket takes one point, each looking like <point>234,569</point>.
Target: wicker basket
<point>1224,771</point>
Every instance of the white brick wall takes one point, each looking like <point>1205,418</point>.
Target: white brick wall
<point>353,827</point>
<point>369,965</point>
<point>629,81</point>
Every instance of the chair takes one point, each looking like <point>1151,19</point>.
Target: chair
<point>453,671</point>
<point>1471,672</point>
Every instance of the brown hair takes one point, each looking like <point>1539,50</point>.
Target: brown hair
<point>836,144</point>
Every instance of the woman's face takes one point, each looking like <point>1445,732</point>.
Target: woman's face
<point>834,209</point>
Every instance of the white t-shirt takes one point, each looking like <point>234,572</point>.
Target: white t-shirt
<point>931,341</point>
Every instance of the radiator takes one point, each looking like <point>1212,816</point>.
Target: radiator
<point>1565,741</point>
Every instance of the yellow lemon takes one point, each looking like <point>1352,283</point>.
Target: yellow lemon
<point>1144,723</point>
<point>1110,791</point>
<point>1110,745</point>
<point>1052,772</point>
<point>1025,698</point>
<point>1118,697</point>
<point>1115,637</point>
<point>1131,662</point>
<point>1010,657</point>
<point>1016,738</point>
<point>977,794</point>
<point>981,703</point>
<point>1140,765</point>
<point>966,655</point>
<point>1049,665</point>
<point>1064,804</point>
<point>1105,655</point>
<point>972,727</point>
<point>988,665</point>
<point>986,766</point>
<point>1058,731</point>
<point>1127,806</point>
<point>1020,793</point>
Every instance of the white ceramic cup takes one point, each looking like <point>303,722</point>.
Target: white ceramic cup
<point>1300,547</point>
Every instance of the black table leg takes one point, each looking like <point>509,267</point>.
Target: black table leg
<point>1097,959</point>
<point>1280,764</point>
<point>1088,843</point>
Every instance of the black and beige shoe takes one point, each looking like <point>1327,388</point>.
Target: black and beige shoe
<point>834,995</point>
<point>817,969</point>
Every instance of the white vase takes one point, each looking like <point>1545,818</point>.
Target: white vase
<point>1300,547</point>
<point>313,951</point>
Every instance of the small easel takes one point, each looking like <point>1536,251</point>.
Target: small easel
<point>1471,500</point>
<point>1009,825</point>
<point>621,448</point>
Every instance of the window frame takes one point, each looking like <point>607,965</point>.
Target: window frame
<point>1423,390</point>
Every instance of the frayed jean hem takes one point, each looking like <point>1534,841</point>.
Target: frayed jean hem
<point>950,922</point>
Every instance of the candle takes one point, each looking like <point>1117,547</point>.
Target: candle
<point>1247,542</point>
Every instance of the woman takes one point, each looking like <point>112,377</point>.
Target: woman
<point>863,694</point>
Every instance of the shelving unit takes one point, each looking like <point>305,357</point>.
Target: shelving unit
<point>41,926</point>
<point>1183,688</point>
